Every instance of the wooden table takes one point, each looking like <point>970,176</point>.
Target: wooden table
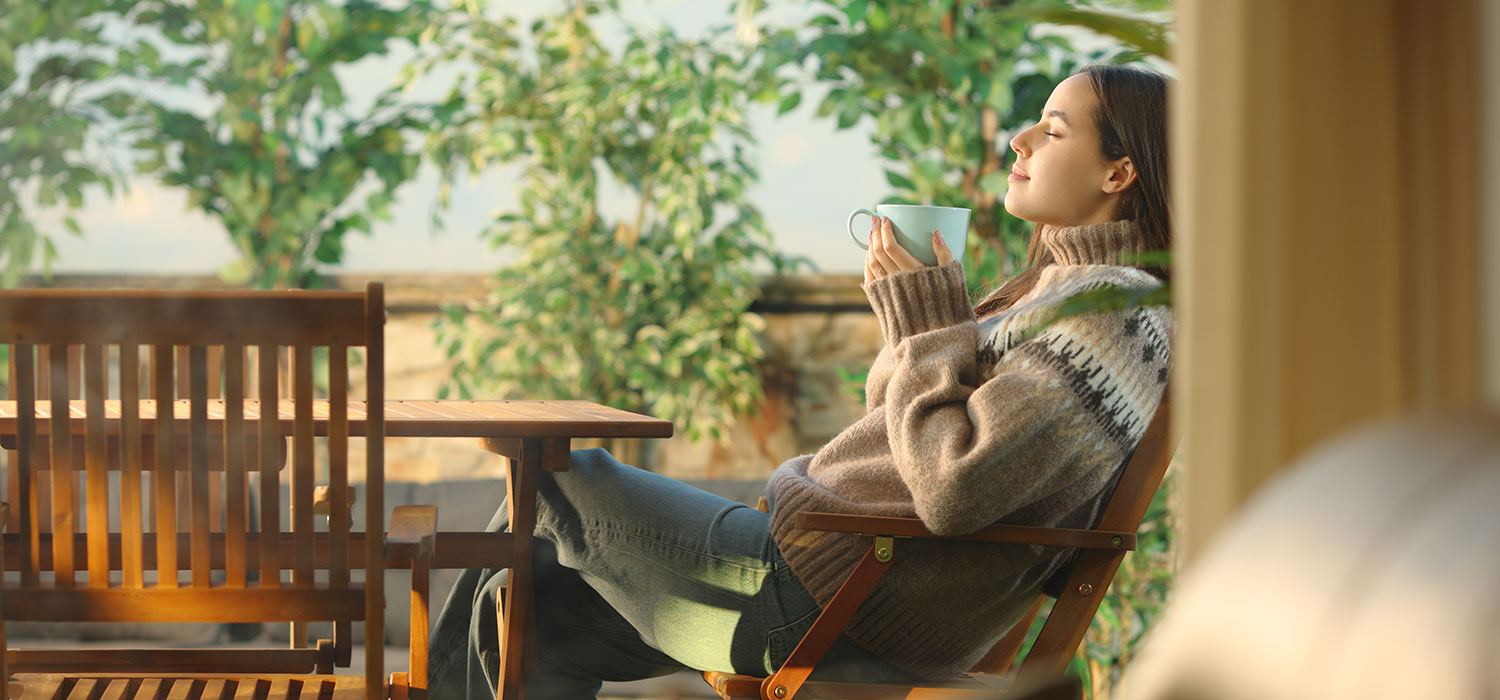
<point>531,435</point>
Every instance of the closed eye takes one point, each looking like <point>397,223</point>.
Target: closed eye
<point>1050,134</point>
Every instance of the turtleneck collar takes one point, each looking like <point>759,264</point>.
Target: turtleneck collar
<point>1094,244</point>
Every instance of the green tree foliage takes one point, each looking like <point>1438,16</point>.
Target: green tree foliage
<point>51,105</point>
<point>944,84</point>
<point>283,159</point>
<point>643,306</point>
<point>1139,25</point>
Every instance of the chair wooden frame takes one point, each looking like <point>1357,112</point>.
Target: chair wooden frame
<point>102,573</point>
<point>1085,580</point>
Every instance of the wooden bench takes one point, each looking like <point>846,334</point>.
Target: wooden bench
<point>155,569</point>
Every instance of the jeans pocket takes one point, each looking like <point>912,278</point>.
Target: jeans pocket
<point>782,640</point>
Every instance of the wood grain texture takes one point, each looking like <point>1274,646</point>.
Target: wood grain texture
<point>165,477</point>
<point>403,418</point>
<point>451,550</point>
<point>236,501</point>
<point>166,661</point>
<point>186,603</point>
<point>131,460</point>
<point>63,479</point>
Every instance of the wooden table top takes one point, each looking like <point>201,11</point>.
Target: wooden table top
<point>403,418</point>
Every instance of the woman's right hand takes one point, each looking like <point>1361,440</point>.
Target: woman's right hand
<point>887,257</point>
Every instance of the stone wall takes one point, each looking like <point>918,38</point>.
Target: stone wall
<point>816,325</point>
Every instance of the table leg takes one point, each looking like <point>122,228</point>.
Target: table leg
<point>521,483</point>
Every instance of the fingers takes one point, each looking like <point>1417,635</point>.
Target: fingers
<point>903,259</point>
<point>940,249</point>
<point>880,248</point>
<point>886,256</point>
<point>891,256</point>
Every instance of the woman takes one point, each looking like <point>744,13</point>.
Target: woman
<point>975,415</point>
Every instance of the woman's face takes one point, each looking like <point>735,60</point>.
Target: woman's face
<point>1060,178</point>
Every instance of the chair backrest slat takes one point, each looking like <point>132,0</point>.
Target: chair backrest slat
<point>62,468</point>
<point>23,386</point>
<point>198,463</point>
<point>375,495</point>
<point>131,522</point>
<point>96,479</point>
<point>270,507</point>
<point>236,522</point>
<point>164,478</point>
<point>338,486</point>
<point>338,468</point>
<point>302,466</point>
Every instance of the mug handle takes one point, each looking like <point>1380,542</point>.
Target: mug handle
<point>857,212</point>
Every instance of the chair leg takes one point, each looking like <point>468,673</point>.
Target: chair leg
<point>299,635</point>
<point>420,586</point>
<point>325,663</point>
<point>783,684</point>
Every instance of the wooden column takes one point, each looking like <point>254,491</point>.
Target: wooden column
<point>1327,214</point>
<point>1489,182</point>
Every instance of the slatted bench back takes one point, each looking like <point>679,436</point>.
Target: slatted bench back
<point>199,556</point>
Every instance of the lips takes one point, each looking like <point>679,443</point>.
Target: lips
<point>1018,175</point>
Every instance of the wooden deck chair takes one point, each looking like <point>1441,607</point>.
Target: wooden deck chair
<point>1078,588</point>
<point>151,569</point>
<point>144,367</point>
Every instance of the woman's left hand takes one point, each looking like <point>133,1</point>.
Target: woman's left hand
<point>887,257</point>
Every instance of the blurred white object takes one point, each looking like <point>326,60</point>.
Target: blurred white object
<point>1370,570</point>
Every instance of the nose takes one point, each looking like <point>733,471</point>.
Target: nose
<point>1018,143</point>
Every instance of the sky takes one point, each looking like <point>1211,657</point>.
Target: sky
<point>811,178</point>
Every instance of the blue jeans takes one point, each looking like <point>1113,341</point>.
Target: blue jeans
<point>637,575</point>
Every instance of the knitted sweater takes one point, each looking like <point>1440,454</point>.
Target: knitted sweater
<point>971,422</point>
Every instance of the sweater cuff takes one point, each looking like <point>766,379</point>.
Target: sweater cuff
<point>916,301</point>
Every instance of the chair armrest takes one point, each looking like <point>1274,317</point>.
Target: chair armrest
<point>413,532</point>
<point>1008,534</point>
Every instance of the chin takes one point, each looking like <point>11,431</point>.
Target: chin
<point>1019,211</point>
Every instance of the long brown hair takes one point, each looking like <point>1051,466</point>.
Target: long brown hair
<point>1132,122</point>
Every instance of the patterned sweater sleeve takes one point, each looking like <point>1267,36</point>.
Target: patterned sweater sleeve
<point>972,450</point>
<point>912,302</point>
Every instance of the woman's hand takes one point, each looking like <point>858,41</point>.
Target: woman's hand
<point>886,256</point>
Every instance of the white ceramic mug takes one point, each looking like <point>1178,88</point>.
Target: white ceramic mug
<point>914,224</point>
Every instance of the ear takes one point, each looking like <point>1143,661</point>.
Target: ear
<point>1121,176</point>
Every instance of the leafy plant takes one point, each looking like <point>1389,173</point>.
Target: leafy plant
<point>644,308</point>
<point>1141,28</point>
<point>52,106</point>
<point>945,84</point>
<point>283,160</point>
